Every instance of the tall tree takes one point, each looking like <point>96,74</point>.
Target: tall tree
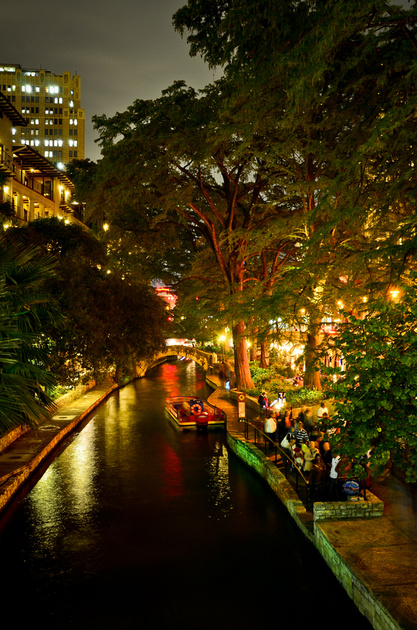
<point>182,161</point>
<point>331,85</point>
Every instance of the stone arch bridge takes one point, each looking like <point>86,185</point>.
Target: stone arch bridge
<point>205,359</point>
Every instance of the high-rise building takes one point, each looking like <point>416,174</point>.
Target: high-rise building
<point>50,103</point>
<point>30,186</point>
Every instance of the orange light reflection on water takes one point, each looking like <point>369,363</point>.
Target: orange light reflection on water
<point>172,475</point>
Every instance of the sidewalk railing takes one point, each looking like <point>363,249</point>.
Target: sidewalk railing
<point>281,458</point>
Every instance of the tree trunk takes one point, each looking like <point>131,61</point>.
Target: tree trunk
<point>252,351</point>
<point>264,363</point>
<point>312,375</point>
<point>243,376</point>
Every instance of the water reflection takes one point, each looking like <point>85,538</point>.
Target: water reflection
<point>218,475</point>
<point>136,524</point>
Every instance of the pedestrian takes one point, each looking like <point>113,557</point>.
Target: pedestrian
<point>300,433</point>
<point>321,410</point>
<point>307,419</point>
<point>326,454</point>
<point>287,419</point>
<point>263,403</point>
<point>281,430</point>
<point>310,453</point>
<point>317,481</point>
<point>270,428</point>
<point>333,477</point>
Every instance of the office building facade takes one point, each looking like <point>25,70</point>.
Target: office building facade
<point>31,187</point>
<point>50,104</point>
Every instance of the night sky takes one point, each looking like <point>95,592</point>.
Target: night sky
<point>122,49</point>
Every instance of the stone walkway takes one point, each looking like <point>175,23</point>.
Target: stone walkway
<point>375,559</point>
<point>24,456</point>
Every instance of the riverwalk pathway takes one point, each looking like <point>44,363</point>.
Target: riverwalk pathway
<point>375,559</point>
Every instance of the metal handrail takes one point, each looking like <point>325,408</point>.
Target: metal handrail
<point>289,462</point>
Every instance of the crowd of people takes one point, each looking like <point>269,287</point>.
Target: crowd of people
<point>306,442</point>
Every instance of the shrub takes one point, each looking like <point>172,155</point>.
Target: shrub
<point>298,397</point>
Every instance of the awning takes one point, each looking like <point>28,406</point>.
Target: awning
<point>32,160</point>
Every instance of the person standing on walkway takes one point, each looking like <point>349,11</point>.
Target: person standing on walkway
<point>263,404</point>
<point>317,479</point>
<point>310,453</point>
<point>321,410</point>
<point>270,429</point>
<point>281,430</point>
<point>333,476</point>
<point>300,433</point>
<point>287,419</point>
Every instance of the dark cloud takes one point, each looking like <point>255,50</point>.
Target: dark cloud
<point>123,50</point>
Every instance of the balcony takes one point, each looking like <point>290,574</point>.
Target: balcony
<point>6,162</point>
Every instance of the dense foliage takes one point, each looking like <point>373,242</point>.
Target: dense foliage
<point>109,321</point>
<point>286,189</point>
<point>25,310</point>
<point>377,393</point>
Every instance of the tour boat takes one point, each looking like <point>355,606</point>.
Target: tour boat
<point>189,412</point>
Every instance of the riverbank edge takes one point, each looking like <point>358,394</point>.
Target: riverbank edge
<point>360,593</point>
<point>362,596</point>
<point>11,484</point>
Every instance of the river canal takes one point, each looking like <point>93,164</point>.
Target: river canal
<point>136,525</point>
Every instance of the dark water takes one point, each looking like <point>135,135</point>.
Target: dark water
<point>136,525</point>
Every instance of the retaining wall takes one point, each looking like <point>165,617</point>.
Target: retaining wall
<point>371,507</point>
<point>364,598</point>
